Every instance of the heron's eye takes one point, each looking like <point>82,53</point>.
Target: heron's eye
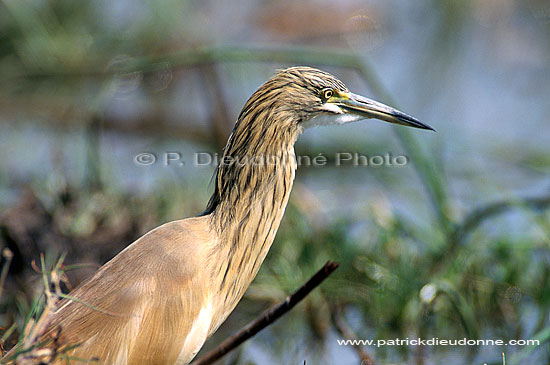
<point>327,93</point>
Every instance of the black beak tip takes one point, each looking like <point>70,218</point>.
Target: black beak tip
<point>412,122</point>
<point>418,124</point>
<point>430,128</point>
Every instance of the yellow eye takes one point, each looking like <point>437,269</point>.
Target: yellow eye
<point>327,94</point>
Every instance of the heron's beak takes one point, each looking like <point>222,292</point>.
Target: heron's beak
<point>367,108</point>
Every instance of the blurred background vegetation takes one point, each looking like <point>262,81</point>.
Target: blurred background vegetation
<point>454,244</point>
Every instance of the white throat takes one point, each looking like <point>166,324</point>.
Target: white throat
<point>331,119</point>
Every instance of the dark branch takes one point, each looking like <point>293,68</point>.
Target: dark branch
<point>268,317</point>
<point>345,331</point>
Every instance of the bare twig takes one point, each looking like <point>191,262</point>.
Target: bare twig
<point>8,256</point>
<point>268,317</point>
<point>345,331</point>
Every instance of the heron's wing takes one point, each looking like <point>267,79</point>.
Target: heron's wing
<point>140,306</point>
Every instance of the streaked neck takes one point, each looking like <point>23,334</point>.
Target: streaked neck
<point>253,184</point>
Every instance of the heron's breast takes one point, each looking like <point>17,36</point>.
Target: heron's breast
<point>198,334</point>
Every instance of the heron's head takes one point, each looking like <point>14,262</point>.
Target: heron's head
<point>318,98</point>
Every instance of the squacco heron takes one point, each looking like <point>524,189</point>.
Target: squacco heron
<point>157,301</point>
